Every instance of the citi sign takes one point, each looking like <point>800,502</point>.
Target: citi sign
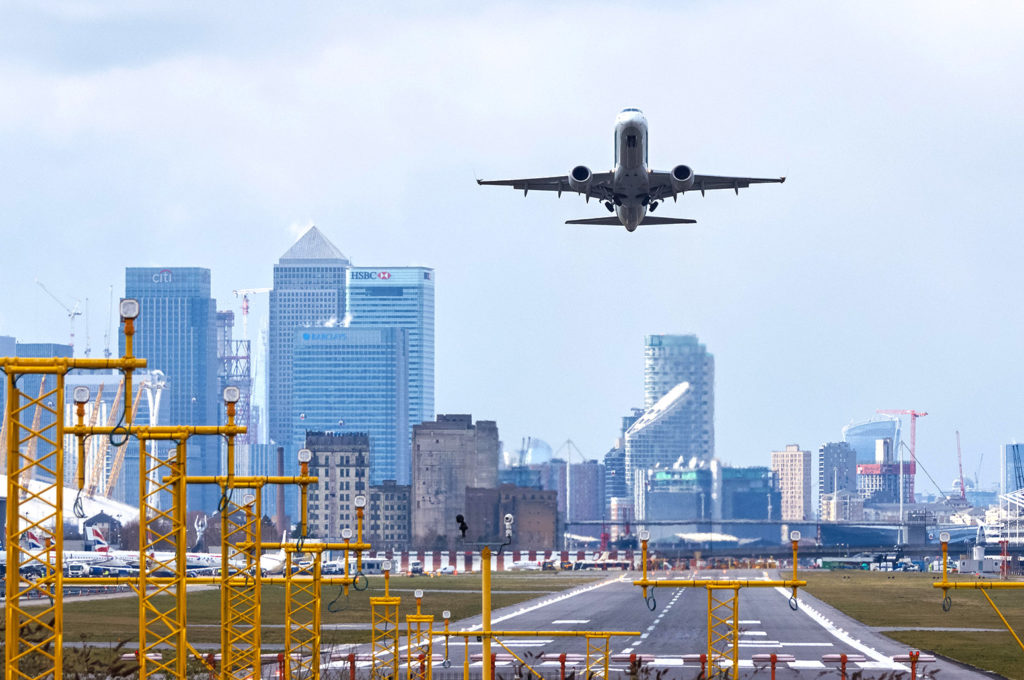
<point>163,276</point>
<point>363,276</point>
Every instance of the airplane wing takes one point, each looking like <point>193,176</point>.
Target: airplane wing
<point>661,183</point>
<point>600,185</point>
<point>614,221</point>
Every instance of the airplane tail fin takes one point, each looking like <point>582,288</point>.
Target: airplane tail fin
<point>96,536</point>
<point>615,222</point>
<point>33,541</point>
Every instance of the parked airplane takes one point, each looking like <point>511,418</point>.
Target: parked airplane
<point>630,190</point>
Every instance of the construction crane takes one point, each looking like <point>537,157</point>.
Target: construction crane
<point>914,415</point>
<point>37,417</point>
<point>245,293</point>
<point>115,467</point>
<point>72,312</point>
<point>100,455</point>
<point>960,462</point>
<point>106,329</point>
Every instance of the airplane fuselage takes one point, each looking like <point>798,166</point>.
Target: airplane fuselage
<point>632,181</point>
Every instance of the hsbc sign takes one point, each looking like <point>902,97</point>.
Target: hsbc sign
<point>378,276</point>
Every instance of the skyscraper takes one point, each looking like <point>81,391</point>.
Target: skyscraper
<point>400,297</point>
<point>863,435</point>
<point>793,468</point>
<point>176,334</point>
<point>309,291</point>
<point>660,438</point>
<point>354,380</point>
<point>673,359</point>
<point>837,470</point>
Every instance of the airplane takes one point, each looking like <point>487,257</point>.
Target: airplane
<point>631,190</point>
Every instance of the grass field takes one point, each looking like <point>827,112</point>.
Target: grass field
<point>115,619</point>
<point>899,600</point>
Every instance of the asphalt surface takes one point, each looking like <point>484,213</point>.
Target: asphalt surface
<point>677,627</point>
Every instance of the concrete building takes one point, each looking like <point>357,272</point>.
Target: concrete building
<point>176,333</point>
<point>388,517</point>
<point>585,488</point>
<point>673,359</point>
<point>793,468</point>
<point>354,380</point>
<point>341,463</point>
<point>449,454</point>
<point>841,506</point>
<point>400,297</point>
<point>679,493</point>
<point>534,510</point>
<point>837,470</point>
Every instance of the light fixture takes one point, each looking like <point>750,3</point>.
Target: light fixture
<point>944,536</point>
<point>346,534</point>
<point>385,565</point>
<point>794,535</point>
<point>231,394</point>
<point>446,614</point>
<point>417,593</point>
<point>360,501</point>
<point>129,308</point>
<point>645,535</point>
<point>248,499</point>
<point>305,455</point>
<point>81,394</point>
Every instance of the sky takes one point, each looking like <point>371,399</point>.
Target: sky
<point>885,272</point>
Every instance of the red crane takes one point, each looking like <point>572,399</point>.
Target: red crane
<point>914,415</point>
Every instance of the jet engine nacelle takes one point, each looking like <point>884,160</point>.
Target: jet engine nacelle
<point>682,178</point>
<point>579,178</point>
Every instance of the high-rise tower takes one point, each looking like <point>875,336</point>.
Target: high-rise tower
<point>668,361</point>
<point>309,291</point>
<point>400,297</point>
<point>176,333</point>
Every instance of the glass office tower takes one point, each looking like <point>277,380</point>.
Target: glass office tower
<point>176,334</point>
<point>355,380</point>
<point>400,297</point>
<point>668,361</point>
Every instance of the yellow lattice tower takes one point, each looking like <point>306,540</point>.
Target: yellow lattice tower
<point>161,619</point>
<point>240,588</point>
<point>302,611</point>
<point>723,629</point>
<point>419,629</point>
<point>384,634</point>
<point>598,647</point>
<point>34,638</point>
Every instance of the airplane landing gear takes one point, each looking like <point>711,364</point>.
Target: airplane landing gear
<point>608,204</point>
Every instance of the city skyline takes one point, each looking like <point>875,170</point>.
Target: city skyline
<point>881,275</point>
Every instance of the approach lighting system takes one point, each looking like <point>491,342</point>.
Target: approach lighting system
<point>418,594</point>
<point>360,501</point>
<point>644,535</point>
<point>944,537</point>
<point>305,455</point>
<point>129,308</point>
<point>231,394</point>
<point>385,565</point>
<point>446,615</point>
<point>81,394</point>
<point>794,535</point>
<point>248,499</point>
<point>346,534</point>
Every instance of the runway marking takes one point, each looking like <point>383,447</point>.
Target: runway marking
<point>571,621</point>
<point>759,643</point>
<point>807,644</point>
<point>545,603</point>
<point>627,650</point>
<point>525,643</point>
<point>842,635</point>
<point>750,622</point>
<point>753,632</point>
<point>809,665</point>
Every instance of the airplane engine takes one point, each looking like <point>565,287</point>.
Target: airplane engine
<point>579,178</point>
<point>682,178</point>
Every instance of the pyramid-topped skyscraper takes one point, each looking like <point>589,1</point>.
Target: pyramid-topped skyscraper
<point>309,291</point>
